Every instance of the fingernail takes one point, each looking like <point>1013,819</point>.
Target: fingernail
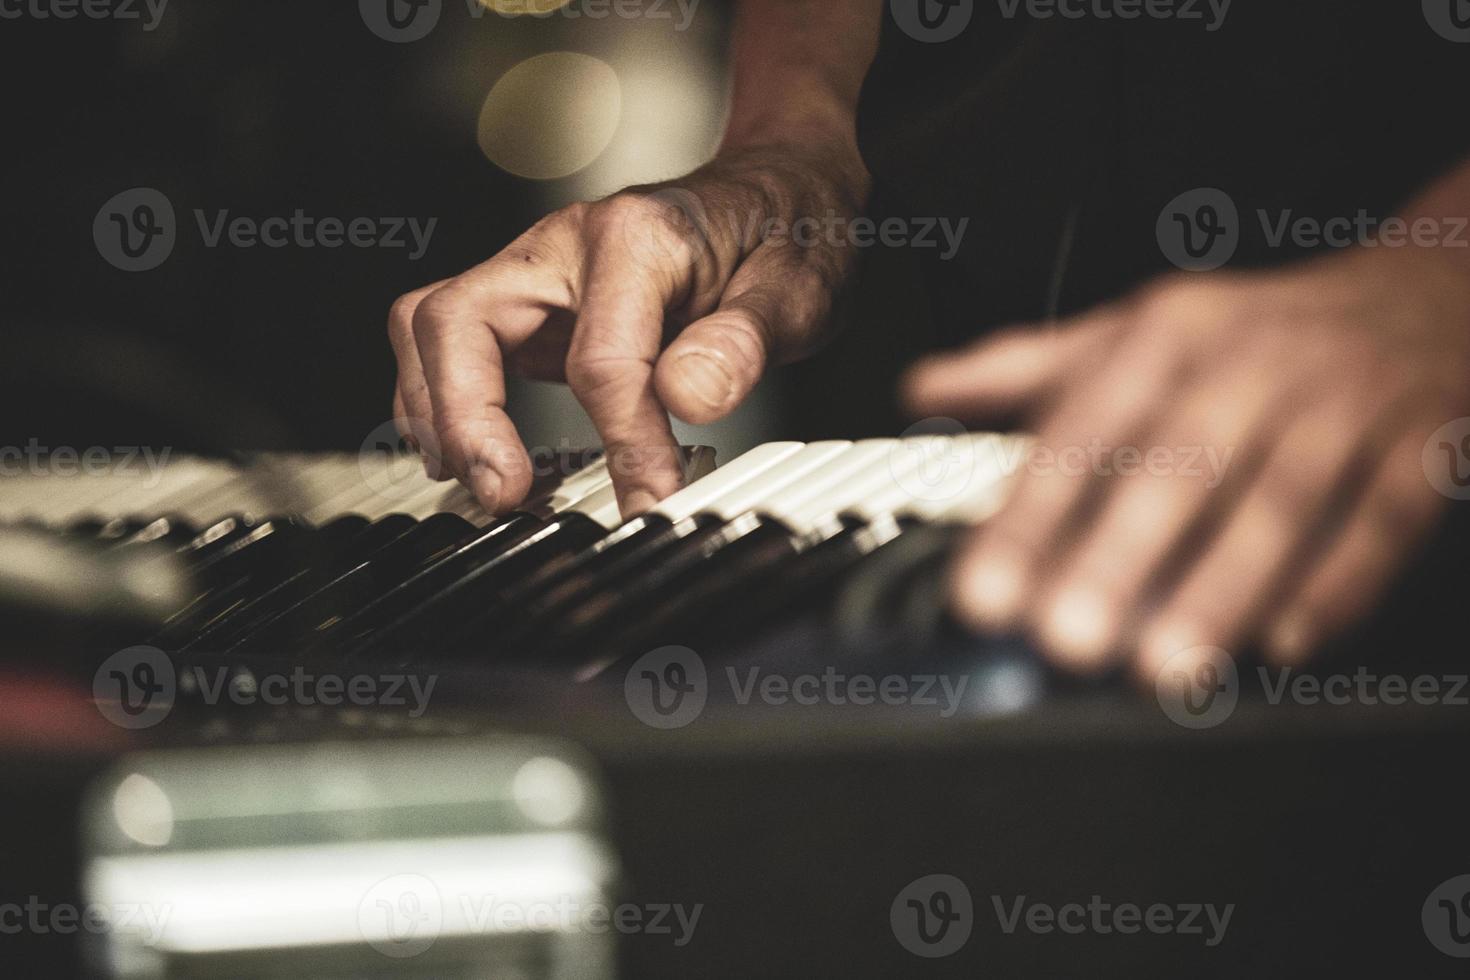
<point>1079,626</point>
<point>707,379</point>
<point>1161,643</point>
<point>638,502</point>
<point>1290,640</point>
<point>991,592</point>
<point>485,484</point>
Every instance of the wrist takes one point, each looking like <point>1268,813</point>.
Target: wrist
<point>819,134</point>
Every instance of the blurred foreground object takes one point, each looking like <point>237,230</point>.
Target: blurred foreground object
<point>463,857</point>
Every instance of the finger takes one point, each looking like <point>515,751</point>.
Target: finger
<point>610,368</point>
<point>1229,589</point>
<point>1090,596</point>
<point>400,419</point>
<point>1384,525</point>
<point>1010,372</point>
<point>455,331</point>
<point>993,573</point>
<point>411,399</point>
<point>773,309</point>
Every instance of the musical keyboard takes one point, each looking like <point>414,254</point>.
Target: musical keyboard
<point>342,559</point>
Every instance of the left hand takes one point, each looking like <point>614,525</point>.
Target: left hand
<point>1271,477</point>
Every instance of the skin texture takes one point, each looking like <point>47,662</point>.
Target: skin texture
<point>669,298</point>
<point>1314,388</point>
<point>1318,386</point>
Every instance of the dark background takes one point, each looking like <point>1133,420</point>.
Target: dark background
<point>262,108</point>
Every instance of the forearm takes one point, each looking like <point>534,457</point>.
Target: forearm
<point>798,66</point>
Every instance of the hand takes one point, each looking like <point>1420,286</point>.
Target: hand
<point>667,298</point>
<point>1285,416</point>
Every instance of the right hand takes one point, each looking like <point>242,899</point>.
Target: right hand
<point>665,298</point>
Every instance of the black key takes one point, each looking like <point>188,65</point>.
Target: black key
<point>249,567</point>
<point>669,603</point>
<point>424,628</point>
<point>434,538</point>
<point>615,606</point>
<point>500,537</point>
<point>565,575</point>
<point>547,596</point>
<point>223,631</point>
<point>172,531</point>
<point>804,582</point>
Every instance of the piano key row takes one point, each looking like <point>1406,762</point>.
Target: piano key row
<point>379,583</point>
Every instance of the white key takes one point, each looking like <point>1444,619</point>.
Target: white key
<point>591,478</point>
<point>753,494</point>
<point>966,483</point>
<point>883,480</point>
<point>739,471</point>
<point>831,488</point>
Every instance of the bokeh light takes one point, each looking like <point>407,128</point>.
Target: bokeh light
<point>552,115</point>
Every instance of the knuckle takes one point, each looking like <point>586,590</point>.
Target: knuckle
<point>436,312</point>
<point>400,313</point>
<point>591,371</point>
<point>400,322</point>
<point>1401,506</point>
<point>1180,304</point>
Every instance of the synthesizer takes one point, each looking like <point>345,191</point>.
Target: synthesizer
<point>364,559</point>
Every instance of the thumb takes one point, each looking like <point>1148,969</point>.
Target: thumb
<point>774,309</point>
<point>714,363</point>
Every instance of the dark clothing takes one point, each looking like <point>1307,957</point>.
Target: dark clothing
<point>1022,124</point>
